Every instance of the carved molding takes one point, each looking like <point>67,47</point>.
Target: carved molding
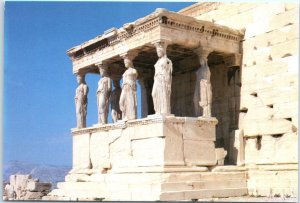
<point>201,28</point>
<point>152,119</point>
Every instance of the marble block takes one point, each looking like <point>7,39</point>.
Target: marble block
<point>81,151</point>
<point>153,141</point>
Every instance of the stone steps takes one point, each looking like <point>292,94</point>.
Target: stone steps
<point>189,186</point>
<point>204,176</point>
<point>67,199</point>
<point>201,194</point>
<point>77,194</point>
<point>203,185</point>
<point>89,190</point>
<point>156,186</point>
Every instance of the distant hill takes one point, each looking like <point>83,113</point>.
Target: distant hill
<point>45,173</point>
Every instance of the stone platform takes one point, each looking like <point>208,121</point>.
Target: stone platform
<point>164,185</point>
<point>155,158</point>
<point>154,141</point>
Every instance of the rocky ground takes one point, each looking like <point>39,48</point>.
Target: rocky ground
<point>24,187</point>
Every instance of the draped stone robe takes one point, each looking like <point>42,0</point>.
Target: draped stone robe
<point>103,94</point>
<point>161,92</point>
<point>128,99</point>
<point>203,90</point>
<point>81,105</point>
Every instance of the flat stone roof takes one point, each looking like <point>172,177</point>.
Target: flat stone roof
<point>179,30</point>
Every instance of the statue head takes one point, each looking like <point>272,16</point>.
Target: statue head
<point>160,52</point>
<point>203,61</point>
<point>128,58</point>
<point>128,63</point>
<point>161,48</point>
<point>103,70</point>
<point>80,78</point>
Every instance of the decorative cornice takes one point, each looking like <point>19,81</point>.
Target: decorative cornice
<point>161,18</point>
<point>204,121</point>
<point>152,119</point>
<point>98,128</point>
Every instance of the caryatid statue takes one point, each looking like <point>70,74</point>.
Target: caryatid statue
<point>116,113</point>
<point>128,99</point>
<point>81,101</point>
<point>103,94</point>
<point>161,91</point>
<point>203,89</point>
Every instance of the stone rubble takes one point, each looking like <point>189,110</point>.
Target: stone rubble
<point>24,187</point>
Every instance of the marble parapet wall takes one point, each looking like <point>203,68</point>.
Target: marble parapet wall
<point>152,141</point>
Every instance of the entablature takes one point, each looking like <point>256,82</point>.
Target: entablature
<point>179,30</point>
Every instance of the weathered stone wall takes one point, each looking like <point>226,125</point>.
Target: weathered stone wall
<point>226,96</point>
<point>268,110</point>
<point>225,106</point>
<point>183,86</point>
<point>171,141</point>
<point>266,139</point>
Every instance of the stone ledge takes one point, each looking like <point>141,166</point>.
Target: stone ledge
<point>279,167</point>
<point>227,168</point>
<point>199,194</point>
<point>152,186</point>
<point>159,169</point>
<point>143,121</point>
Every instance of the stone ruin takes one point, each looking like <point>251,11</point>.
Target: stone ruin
<point>203,87</point>
<point>24,187</point>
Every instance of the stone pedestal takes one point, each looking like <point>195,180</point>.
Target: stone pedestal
<point>152,141</point>
<point>155,158</point>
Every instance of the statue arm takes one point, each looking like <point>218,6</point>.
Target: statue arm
<point>109,88</point>
<point>98,89</point>
<point>109,85</point>
<point>85,90</point>
<point>208,74</point>
<point>85,93</point>
<point>169,74</point>
<point>121,102</point>
<point>106,89</point>
<point>209,93</point>
<point>76,97</point>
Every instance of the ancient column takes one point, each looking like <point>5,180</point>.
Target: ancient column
<point>81,101</point>
<point>161,91</point>
<point>116,113</point>
<point>103,93</point>
<point>203,91</point>
<point>128,98</point>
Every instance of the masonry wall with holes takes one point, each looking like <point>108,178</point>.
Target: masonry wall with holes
<point>268,101</point>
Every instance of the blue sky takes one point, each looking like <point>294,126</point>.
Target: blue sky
<point>39,86</point>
